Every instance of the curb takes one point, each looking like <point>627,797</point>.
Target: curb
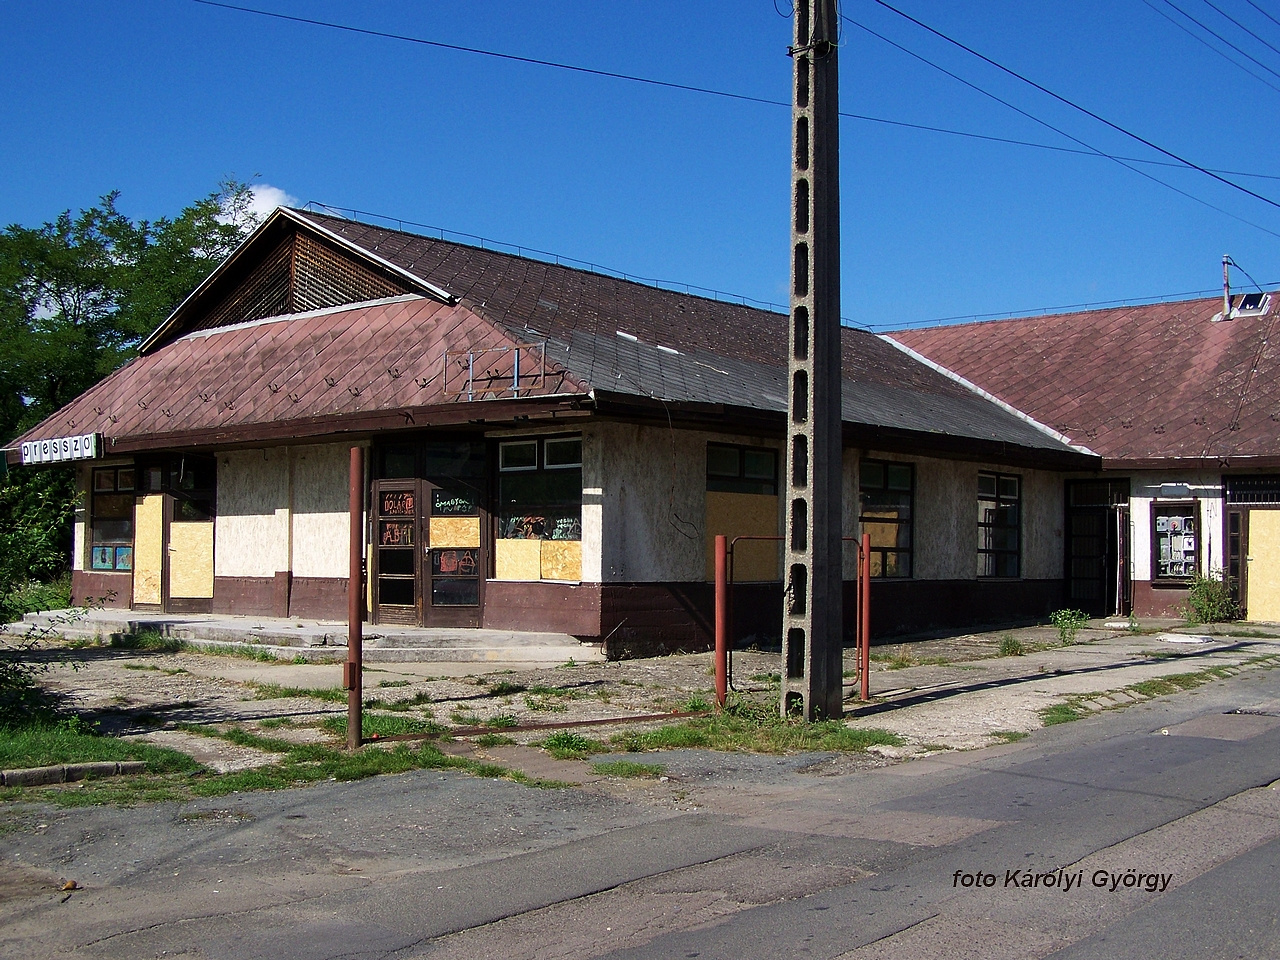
<point>68,773</point>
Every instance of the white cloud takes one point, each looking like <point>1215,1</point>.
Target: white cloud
<point>266,198</point>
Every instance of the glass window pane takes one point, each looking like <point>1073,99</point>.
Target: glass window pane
<point>760,464</point>
<point>1009,487</point>
<point>398,562</point>
<point>986,486</point>
<point>563,453</point>
<point>453,503</point>
<point>398,593</point>
<point>455,593</point>
<point>899,477</point>
<point>723,461</point>
<point>453,459</point>
<point>872,475</point>
<point>455,562</point>
<point>398,462</point>
<point>522,455</point>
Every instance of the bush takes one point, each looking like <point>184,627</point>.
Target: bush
<point>1068,623</point>
<point>1209,600</point>
<point>1011,646</point>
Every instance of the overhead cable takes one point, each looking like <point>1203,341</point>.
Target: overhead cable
<point>1201,40</point>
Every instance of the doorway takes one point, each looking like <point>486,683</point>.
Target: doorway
<point>1099,581</point>
<point>429,534</point>
<point>173,535</point>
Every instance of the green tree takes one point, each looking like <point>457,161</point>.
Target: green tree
<point>77,295</point>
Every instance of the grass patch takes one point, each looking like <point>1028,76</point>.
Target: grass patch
<point>505,688</point>
<point>697,704</point>
<point>1009,736</point>
<point>1011,646</point>
<point>407,703</point>
<point>545,705</point>
<point>71,741</point>
<point>274,691</point>
<point>241,651</point>
<point>393,683</point>
<point>501,721</point>
<point>756,729</point>
<point>1062,713</point>
<point>380,725</point>
<point>152,641</point>
<point>564,745</point>
<point>629,769</point>
<point>494,740</point>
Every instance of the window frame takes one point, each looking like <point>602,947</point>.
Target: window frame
<point>540,466</point>
<point>724,483</point>
<point>1187,507</point>
<point>909,551</point>
<point>121,548</point>
<point>998,501</point>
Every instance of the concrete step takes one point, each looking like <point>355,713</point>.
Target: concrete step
<point>291,638</point>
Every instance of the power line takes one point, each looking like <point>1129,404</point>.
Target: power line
<point>1075,106</point>
<point>1051,311</point>
<point>1222,13</point>
<point>1199,39</point>
<point>1059,131</point>
<point>690,88</point>
<point>1219,37</point>
<point>1263,12</point>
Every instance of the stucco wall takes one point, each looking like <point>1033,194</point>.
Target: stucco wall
<point>80,529</point>
<point>321,524</point>
<point>946,518</point>
<point>1145,489</point>
<point>252,524</point>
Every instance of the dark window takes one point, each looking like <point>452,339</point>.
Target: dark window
<point>999,525</point>
<point>732,469</point>
<point>111,519</point>
<point>886,495</point>
<point>1175,541</point>
<point>540,489</point>
<point>1261,489</point>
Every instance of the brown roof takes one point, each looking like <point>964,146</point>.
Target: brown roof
<point>204,378</point>
<point>1138,385</point>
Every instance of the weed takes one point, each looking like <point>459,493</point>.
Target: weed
<point>493,740</point>
<point>151,640</point>
<point>1062,713</point>
<point>568,664</point>
<point>501,721</point>
<point>504,688</point>
<point>627,768</point>
<point>244,651</point>
<point>1134,626</point>
<point>274,691</point>
<point>1009,736</point>
<point>544,705</point>
<point>564,745</point>
<point>1209,600</point>
<point>393,683</point>
<point>1011,646</point>
<point>697,704</point>
<point>141,666</point>
<point>464,718</point>
<point>380,725</point>
<point>272,723</point>
<point>1068,623</point>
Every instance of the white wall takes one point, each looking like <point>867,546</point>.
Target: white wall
<point>321,522</point>
<point>1145,489</point>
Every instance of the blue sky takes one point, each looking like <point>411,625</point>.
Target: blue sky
<point>161,99</point>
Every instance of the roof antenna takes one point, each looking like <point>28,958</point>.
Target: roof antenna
<point>1226,287</point>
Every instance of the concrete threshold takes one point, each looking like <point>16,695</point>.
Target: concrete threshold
<point>313,640</point>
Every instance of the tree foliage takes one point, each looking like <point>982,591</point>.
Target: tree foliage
<point>77,296</point>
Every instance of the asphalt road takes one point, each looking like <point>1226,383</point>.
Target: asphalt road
<point>1145,832</point>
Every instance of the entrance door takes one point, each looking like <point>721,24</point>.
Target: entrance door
<point>1263,566</point>
<point>428,562</point>
<point>173,536</point>
<point>1097,546</point>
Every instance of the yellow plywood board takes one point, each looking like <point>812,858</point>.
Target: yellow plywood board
<point>148,536</point>
<point>454,532</point>
<point>741,515</point>
<point>191,560</point>
<point>561,560</point>
<point>1264,566</point>
<point>517,559</point>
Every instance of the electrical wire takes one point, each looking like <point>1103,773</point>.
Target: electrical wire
<point>1199,39</point>
<point>1063,133</point>
<point>1075,106</point>
<point>704,90</point>
<point>1220,38</point>
<point>1232,263</point>
<point>1263,12</point>
<point>1222,13</point>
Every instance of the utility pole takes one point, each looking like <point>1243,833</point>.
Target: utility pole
<point>812,619</point>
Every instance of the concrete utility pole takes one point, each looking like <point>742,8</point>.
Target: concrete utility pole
<point>812,619</point>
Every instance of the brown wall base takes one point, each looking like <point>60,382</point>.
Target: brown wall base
<point>1152,601</point>
<point>90,589</point>
<point>572,608</point>
<point>650,619</point>
<point>318,598</point>
<point>245,596</point>
<point>914,606</point>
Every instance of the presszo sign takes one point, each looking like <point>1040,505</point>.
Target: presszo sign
<point>83,447</point>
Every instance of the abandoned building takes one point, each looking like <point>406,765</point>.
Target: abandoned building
<point>554,449</point>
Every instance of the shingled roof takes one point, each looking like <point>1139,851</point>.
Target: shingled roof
<point>264,349</point>
<point>1142,386</point>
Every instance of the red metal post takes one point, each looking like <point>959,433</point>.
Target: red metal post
<point>864,616</point>
<point>722,619</point>
<point>355,605</point>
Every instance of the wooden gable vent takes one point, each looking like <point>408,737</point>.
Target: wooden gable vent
<point>299,274</point>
